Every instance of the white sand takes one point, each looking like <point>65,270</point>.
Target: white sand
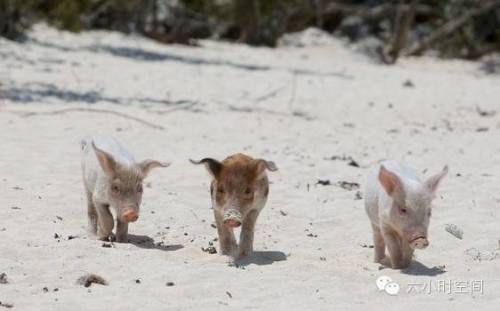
<point>295,106</point>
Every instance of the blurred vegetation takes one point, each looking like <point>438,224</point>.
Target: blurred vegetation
<point>455,28</point>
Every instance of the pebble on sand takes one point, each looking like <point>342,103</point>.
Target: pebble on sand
<point>88,279</point>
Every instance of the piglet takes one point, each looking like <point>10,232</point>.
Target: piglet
<point>239,191</point>
<point>399,207</point>
<point>112,178</point>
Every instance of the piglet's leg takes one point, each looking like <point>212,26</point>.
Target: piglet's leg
<point>407,253</point>
<point>227,241</point>
<point>247,233</point>
<point>393,246</point>
<point>91,212</point>
<point>379,244</point>
<point>105,221</point>
<point>121,231</point>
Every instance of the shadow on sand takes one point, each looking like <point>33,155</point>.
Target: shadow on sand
<point>261,258</point>
<point>145,55</point>
<point>490,65</point>
<point>144,241</point>
<point>418,268</point>
<point>44,92</point>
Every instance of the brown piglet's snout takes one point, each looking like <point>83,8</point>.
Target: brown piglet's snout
<point>232,218</point>
<point>130,215</point>
<point>232,223</point>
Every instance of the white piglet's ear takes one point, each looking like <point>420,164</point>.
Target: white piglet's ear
<point>147,165</point>
<point>389,181</point>
<point>433,182</point>
<point>106,161</point>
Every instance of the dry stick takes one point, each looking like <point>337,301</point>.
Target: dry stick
<point>370,14</point>
<point>483,51</point>
<point>474,51</point>
<point>402,24</point>
<point>120,114</point>
<point>318,8</point>
<point>391,50</point>
<point>375,13</point>
<point>358,10</point>
<point>449,28</point>
<point>161,112</point>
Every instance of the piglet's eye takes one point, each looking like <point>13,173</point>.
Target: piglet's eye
<point>248,191</point>
<point>403,210</point>
<point>115,189</point>
<point>220,190</point>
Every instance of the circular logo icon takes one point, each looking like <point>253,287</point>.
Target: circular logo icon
<point>392,288</point>
<point>382,281</point>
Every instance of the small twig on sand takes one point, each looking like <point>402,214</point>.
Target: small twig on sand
<point>194,214</point>
<point>106,111</point>
<point>269,95</point>
<point>292,98</point>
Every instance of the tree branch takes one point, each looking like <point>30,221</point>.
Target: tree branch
<point>449,28</point>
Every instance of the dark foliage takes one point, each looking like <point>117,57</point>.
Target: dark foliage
<point>456,28</point>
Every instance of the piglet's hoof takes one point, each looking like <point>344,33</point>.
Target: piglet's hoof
<point>109,238</point>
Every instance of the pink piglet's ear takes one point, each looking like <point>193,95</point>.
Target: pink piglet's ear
<point>433,182</point>
<point>389,181</point>
<point>106,161</point>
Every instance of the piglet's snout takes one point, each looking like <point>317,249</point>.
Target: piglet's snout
<point>130,215</point>
<point>232,218</point>
<point>419,242</point>
<point>232,223</point>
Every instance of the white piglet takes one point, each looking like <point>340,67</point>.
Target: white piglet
<point>398,204</point>
<point>112,179</point>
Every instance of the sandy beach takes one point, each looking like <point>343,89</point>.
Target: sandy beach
<point>325,114</point>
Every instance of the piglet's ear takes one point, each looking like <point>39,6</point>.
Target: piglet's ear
<point>263,165</point>
<point>433,182</point>
<point>147,165</point>
<point>389,181</point>
<point>213,166</point>
<point>106,161</point>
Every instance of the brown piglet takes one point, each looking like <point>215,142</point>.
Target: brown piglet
<point>239,191</point>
